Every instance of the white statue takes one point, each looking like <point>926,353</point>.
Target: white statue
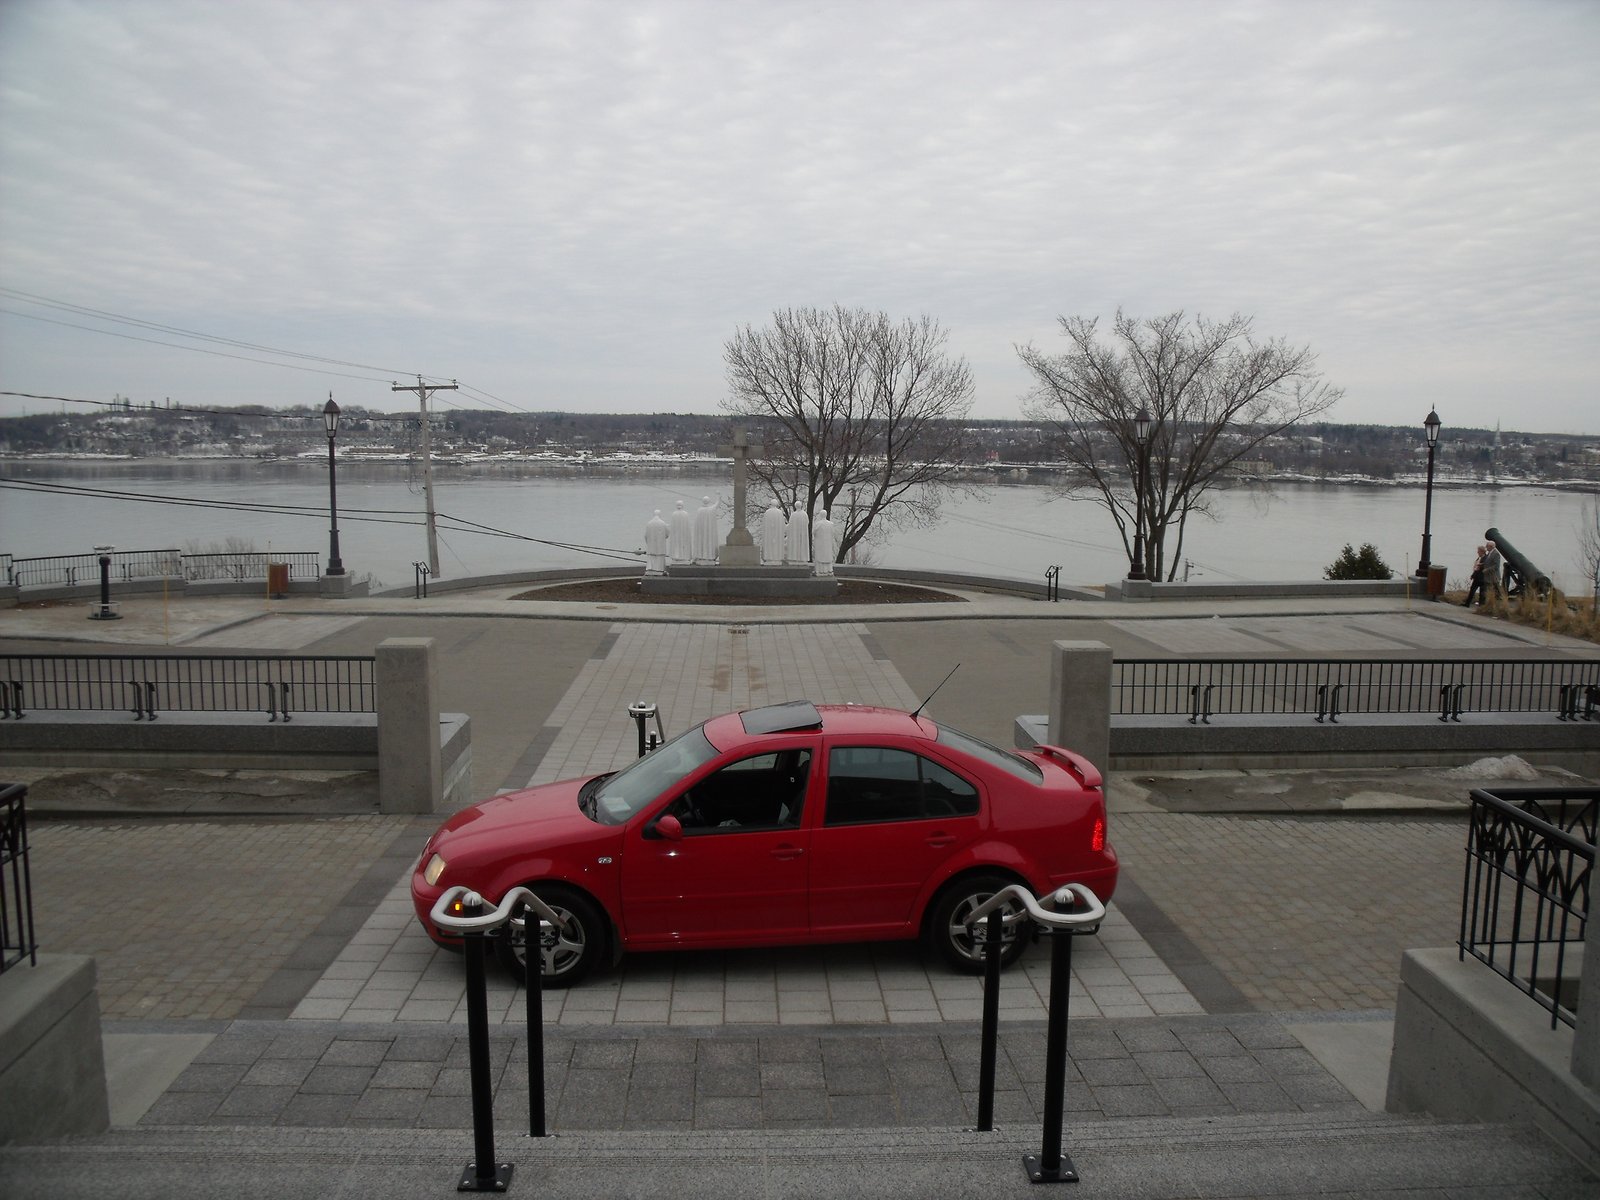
<point>822,544</point>
<point>772,534</point>
<point>797,548</point>
<point>706,536</point>
<point>680,533</point>
<point>655,545</point>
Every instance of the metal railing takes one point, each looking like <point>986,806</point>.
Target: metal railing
<point>73,569</point>
<point>17,941</point>
<point>1525,892</point>
<point>242,565</point>
<point>145,685</point>
<point>1326,689</point>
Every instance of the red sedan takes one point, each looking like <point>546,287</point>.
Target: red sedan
<point>779,826</point>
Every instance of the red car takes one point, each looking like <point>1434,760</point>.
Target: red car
<point>779,826</point>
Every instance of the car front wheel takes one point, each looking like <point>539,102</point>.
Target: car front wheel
<point>947,932</point>
<point>565,955</point>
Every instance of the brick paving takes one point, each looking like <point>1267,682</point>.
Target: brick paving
<point>1302,913</point>
<point>418,1077</point>
<point>190,919</point>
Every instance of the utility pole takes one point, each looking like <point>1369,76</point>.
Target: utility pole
<point>423,391</point>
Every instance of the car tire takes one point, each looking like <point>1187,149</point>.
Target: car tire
<point>568,954</point>
<point>946,934</point>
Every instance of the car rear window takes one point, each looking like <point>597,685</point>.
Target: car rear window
<point>1012,764</point>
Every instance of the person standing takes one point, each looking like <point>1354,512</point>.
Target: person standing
<point>1476,587</point>
<point>1492,563</point>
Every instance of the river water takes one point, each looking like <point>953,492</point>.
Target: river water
<point>1013,529</point>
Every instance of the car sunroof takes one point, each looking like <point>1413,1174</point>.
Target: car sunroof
<point>782,718</point>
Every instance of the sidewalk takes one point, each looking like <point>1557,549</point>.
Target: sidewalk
<point>1251,1023</point>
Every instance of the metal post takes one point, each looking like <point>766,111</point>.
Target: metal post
<point>483,1174</point>
<point>330,422</point>
<point>105,613</point>
<point>993,944</point>
<point>1430,429</point>
<point>533,939</point>
<point>1051,1164</point>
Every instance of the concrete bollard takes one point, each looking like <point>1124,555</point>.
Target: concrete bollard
<point>1080,700</point>
<point>410,770</point>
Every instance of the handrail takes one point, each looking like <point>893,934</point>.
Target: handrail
<point>492,919</point>
<point>1045,916</point>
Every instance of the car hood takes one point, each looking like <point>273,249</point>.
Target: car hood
<point>536,816</point>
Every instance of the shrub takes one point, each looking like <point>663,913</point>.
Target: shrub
<point>1365,563</point>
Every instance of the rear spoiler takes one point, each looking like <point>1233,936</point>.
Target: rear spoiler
<point>1087,773</point>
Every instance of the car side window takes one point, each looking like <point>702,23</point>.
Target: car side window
<point>875,783</point>
<point>763,791</point>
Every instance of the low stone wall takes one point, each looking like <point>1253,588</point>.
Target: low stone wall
<point>1469,1047</point>
<point>423,757</point>
<point>52,1063</point>
<point>1276,742</point>
<point>1146,589</point>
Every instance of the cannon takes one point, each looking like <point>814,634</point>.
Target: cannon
<point>1519,572</point>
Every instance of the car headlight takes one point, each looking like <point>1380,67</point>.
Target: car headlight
<point>433,870</point>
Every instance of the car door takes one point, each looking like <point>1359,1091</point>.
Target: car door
<point>891,817</point>
<point>735,870</point>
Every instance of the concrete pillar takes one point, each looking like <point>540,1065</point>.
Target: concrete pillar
<point>1080,700</point>
<point>406,675</point>
<point>1586,1032</point>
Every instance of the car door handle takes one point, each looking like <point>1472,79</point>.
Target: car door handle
<point>941,840</point>
<point>787,853</point>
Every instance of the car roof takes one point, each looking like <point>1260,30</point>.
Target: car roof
<point>802,716</point>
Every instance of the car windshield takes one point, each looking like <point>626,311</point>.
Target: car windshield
<point>629,790</point>
<point>1015,764</point>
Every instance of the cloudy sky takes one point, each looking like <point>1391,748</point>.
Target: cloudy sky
<point>572,206</point>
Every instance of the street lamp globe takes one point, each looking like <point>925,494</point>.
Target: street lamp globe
<point>330,418</point>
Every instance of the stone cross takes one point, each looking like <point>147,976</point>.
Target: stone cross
<point>740,548</point>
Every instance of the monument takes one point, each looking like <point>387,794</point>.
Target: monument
<point>697,566</point>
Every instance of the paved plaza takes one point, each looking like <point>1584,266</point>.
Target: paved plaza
<point>264,971</point>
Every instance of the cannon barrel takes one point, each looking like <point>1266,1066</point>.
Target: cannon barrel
<point>1526,571</point>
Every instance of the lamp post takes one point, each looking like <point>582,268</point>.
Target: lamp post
<point>330,422</point>
<point>1141,427</point>
<point>1431,428</point>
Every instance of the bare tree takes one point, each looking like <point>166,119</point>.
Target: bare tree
<point>1213,394</point>
<point>858,414</point>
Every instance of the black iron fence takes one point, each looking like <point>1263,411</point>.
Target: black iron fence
<point>302,564</point>
<point>72,569</point>
<point>1525,894</point>
<point>147,685</point>
<point>17,941</point>
<point>1325,689</point>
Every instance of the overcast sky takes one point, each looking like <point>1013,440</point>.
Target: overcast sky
<point>573,206</point>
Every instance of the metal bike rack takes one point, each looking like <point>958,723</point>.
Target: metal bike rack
<point>464,912</point>
<point>1062,917</point>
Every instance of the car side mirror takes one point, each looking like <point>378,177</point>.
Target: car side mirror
<point>669,827</point>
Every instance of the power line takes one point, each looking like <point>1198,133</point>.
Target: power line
<point>195,349</point>
<point>100,314</point>
<point>378,516</point>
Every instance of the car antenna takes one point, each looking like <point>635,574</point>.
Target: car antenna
<point>935,691</point>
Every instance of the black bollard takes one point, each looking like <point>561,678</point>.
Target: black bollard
<point>532,932</point>
<point>1051,1165</point>
<point>483,1174</point>
<point>995,923</point>
<point>106,613</point>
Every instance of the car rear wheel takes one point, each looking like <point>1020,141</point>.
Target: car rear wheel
<point>565,955</point>
<point>947,933</point>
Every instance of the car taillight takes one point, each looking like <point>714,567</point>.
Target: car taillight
<point>1097,839</point>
